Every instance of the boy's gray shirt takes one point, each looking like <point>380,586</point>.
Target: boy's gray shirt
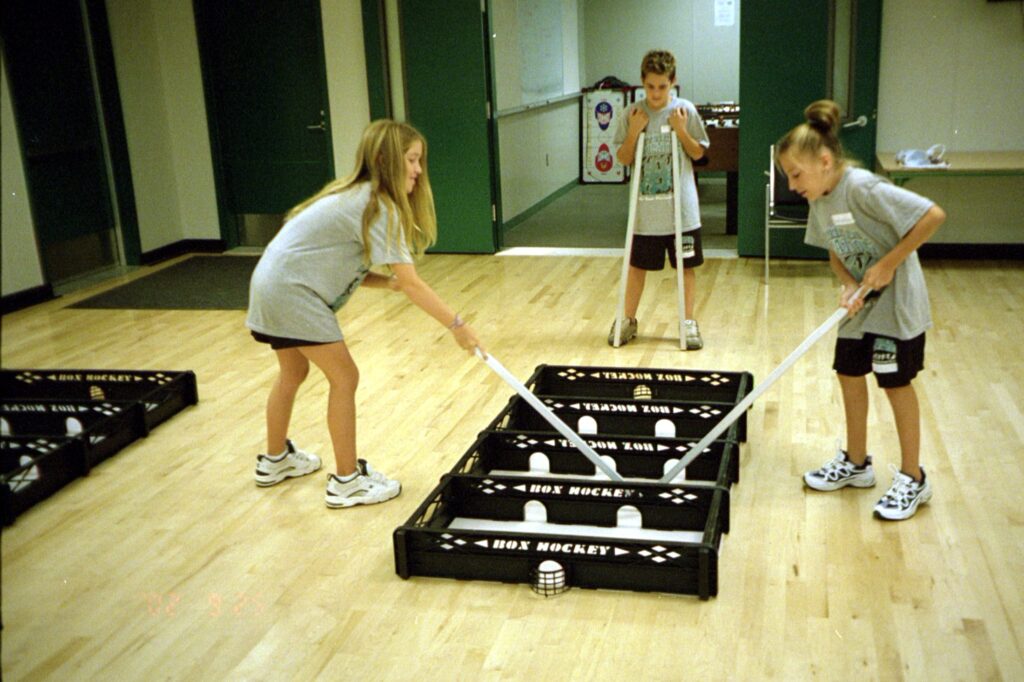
<point>313,265</point>
<point>654,216</point>
<point>861,220</point>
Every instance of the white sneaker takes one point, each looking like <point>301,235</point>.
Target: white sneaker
<point>366,470</point>
<point>294,462</point>
<point>694,341</point>
<point>359,490</point>
<point>627,331</point>
<point>904,496</point>
<point>840,472</point>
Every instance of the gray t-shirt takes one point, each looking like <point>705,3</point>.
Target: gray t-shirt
<point>313,265</point>
<point>654,212</point>
<point>861,220</point>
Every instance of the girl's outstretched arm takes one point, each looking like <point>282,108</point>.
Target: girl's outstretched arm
<point>881,273</point>
<point>375,280</point>
<point>419,292</point>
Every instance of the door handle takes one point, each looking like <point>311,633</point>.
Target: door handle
<point>322,125</point>
<point>859,122</point>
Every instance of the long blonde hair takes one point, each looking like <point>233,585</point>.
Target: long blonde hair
<point>380,160</point>
<point>820,130</point>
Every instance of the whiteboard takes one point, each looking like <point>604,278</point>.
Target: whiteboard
<point>529,51</point>
<point>540,49</point>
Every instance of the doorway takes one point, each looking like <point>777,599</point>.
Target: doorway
<point>791,54</point>
<point>265,81</point>
<point>56,61</point>
<point>448,99</point>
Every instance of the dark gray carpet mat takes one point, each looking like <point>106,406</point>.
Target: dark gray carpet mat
<point>199,283</point>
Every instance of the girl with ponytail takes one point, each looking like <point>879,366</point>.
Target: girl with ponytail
<point>872,230</point>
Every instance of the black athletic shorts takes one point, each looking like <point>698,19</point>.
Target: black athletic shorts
<point>280,342</point>
<point>648,251</point>
<point>895,363</point>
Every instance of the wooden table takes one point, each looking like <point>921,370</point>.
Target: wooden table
<point>960,164</point>
<point>724,156</point>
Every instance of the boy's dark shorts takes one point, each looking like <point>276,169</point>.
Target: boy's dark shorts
<point>281,342</point>
<point>895,363</point>
<point>648,251</point>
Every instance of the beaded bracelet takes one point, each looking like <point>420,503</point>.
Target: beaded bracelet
<point>456,323</point>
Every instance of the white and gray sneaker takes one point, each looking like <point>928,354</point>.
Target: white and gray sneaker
<point>364,467</point>
<point>293,462</point>
<point>362,488</point>
<point>694,341</point>
<point>904,496</point>
<point>840,472</point>
<point>627,331</point>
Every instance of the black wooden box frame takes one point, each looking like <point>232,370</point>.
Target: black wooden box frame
<point>691,419</point>
<point>426,545</point>
<point>163,393</point>
<point>635,457</point>
<point>54,462</point>
<point>655,385</point>
<point>493,517</point>
<point>107,426</point>
<point>625,383</point>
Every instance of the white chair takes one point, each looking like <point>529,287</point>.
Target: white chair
<point>783,209</point>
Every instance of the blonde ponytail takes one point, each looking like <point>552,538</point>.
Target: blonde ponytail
<point>820,130</point>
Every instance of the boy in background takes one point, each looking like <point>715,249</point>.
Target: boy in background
<point>662,116</point>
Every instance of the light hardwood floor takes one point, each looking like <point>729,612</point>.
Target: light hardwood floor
<point>167,562</point>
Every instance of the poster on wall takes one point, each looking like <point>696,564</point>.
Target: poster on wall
<point>600,112</point>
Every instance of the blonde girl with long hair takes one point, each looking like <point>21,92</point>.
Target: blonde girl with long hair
<point>872,230</point>
<point>381,214</point>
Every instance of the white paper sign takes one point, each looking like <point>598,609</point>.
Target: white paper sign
<point>725,12</point>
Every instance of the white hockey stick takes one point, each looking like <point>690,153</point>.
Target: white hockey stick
<point>550,416</point>
<point>834,319</point>
<point>677,217</point>
<point>634,194</point>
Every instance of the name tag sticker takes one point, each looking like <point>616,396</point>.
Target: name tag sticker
<point>843,219</point>
<point>666,128</point>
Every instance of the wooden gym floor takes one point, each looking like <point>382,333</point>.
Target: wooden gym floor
<point>168,562</point>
